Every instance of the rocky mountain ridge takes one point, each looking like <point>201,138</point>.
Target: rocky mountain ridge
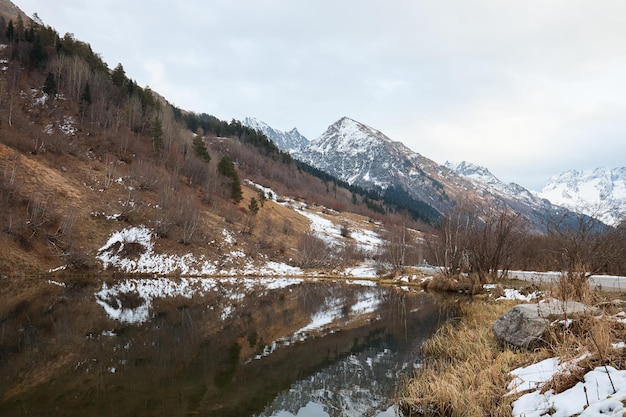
<point>364,156</point>
<point>291,141</point>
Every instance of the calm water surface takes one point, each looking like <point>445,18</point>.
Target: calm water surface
<point>214,348</point>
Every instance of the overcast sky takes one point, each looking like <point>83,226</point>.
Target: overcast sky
<point>527,88</point>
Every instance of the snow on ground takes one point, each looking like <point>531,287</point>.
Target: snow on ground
<point>512,293</point>
<point>364,270</point>
<point>131,250</point>
<point>324,228</point>
<point>331,232</point>
<point>601,393</point>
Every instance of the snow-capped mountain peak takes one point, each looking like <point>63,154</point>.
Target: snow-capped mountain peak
<point>473,171</point>
<point>600,192</point>
<point>290,141</point>
<point>348,136</point>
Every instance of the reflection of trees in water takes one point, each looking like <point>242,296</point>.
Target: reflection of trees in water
<point>189,357</point>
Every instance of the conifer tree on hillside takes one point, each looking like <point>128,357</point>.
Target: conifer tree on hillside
<point>10,32</point>
<point>38,55</point>
<point>199,148</point>
<point>118,76</point>
<point>156,132</point>
<point>253,206</point>
<point>50,85</point>
<point>226,167</point>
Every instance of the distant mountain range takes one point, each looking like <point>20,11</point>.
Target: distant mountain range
<point>362,156</point>
<point>600,193</point>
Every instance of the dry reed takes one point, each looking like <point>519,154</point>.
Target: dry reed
<point>466,371</point>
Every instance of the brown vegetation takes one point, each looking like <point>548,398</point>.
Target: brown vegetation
<point>466,371</point>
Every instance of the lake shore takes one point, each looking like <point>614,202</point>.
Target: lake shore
<point>468,373</point>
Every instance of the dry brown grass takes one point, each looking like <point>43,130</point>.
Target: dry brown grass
<point>466,371</point>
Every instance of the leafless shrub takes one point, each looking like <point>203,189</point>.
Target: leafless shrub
<point>287,227</point>
<point>344,230</point>
<point>166,212</point>
<point>109,170</point>
<point>350,253</point>
<point>196,170</point>
<point>188,218</point>
<point>145,175</point>
<point>36,213</point>
<point>476,240</point>
<point>313,252</point>
<point>583,246</point>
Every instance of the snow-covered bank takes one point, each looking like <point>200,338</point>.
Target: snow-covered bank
<point>601,393</point>
<point>131,250</point>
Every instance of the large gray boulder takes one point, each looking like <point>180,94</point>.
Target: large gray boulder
<point>525,324</point>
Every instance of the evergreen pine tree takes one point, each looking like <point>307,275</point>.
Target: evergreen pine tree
<point>118,76</point>
<point>50,85</point>
<point>156,131</point>
<point>253,206</point>
<point>200,148</point>
<point>226,167</point>
<point>10,33</point>
<point>38,55</point>
<point>236,193</point>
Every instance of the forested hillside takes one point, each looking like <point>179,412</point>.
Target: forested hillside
<point>81,141</point>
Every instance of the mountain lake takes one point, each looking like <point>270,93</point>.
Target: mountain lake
<point>211,347</point>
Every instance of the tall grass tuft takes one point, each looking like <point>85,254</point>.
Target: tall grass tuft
<point>466,372</point>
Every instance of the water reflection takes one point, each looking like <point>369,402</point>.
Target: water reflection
<point>220,348</point>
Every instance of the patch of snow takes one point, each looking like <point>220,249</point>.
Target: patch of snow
<point>67,126</point>
<point>513,294</point>
<point>601,393</point>
<point>365,270</point>
<point>228,237</point>
<point>533,376</point>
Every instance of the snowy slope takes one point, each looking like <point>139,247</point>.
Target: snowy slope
<point>365,157</point>
<point>481,175</point>
<point>286,141</point>
<point>600,193</point>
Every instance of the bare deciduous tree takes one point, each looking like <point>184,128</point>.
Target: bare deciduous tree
<point>476,241</point>
<point>583,246</point>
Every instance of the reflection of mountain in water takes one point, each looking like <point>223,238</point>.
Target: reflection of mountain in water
<point>360,384</point>
<point>229,348</point>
